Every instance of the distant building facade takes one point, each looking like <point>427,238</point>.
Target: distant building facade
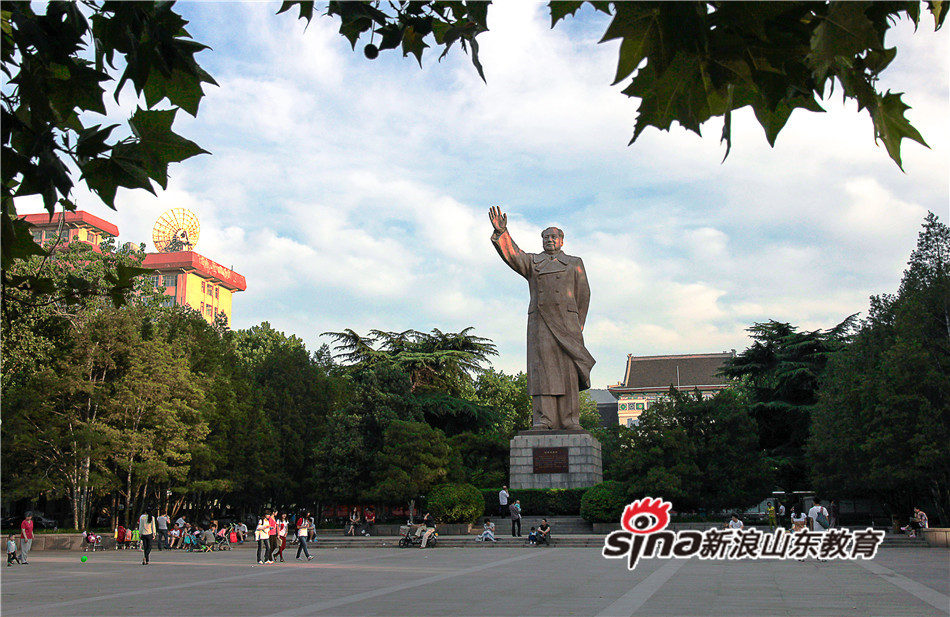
<point>194,280</point>
<point>648,379</point>
<point>188,278</point>
<point>69,227</point>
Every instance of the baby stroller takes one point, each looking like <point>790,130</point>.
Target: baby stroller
<point>91,542</point>
<point>193,545</point>
<point>132,539</point>
<point>121,537</point>
<point>222,541</point>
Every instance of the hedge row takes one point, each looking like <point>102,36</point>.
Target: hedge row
<point>538,501</point>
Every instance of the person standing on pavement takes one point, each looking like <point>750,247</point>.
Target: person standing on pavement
<point>26,537</point>
<point>515,510</point>
<point>503,502</point>
<point>162,520</point>
<point>780,517</point>
<point>834,513</point>
<point>272,535</point>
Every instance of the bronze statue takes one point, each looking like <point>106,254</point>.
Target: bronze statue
<point>558,363</point>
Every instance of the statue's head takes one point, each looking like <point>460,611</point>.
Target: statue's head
<point>552,239</point>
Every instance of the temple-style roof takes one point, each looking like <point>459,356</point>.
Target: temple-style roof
<point>682,371</point>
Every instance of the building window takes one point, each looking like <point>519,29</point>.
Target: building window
<point>168,301</point>
<point>170,280</point>
<point>202,307</point>
<point>155,280</point>
<point>202,286</point>
<point>207,309</point>
<point>210,290</point>
<point>216,290</point>
<point>38,236</point>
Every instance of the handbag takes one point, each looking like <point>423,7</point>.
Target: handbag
<point>821,519</point>
<point>232,537</point>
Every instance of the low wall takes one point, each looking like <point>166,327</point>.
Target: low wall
<point>444,529</point>
<point>938,536</point>
<point>57,542</point>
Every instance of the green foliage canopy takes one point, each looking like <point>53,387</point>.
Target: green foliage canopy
<point>688,62</point>
<point>56,65</point>
<point>882,422</point>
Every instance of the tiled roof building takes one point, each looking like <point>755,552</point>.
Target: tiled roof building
<point>649,378</point>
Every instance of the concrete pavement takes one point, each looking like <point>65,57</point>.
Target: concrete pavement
<point>455,581</point>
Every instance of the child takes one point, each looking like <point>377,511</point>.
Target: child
<point>11,550</point>
<point>533,536</point>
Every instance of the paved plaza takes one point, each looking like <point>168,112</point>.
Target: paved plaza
<point>471,582</point>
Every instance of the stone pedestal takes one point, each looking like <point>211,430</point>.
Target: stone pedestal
<point>555,459</point>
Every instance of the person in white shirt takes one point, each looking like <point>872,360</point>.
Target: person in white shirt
<point>735,523</point>
<point>817,510</point>
<point>503,502</point>
<point>813,514</point>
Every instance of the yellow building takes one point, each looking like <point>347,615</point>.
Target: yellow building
<point>649,379</point>
<point>189,279</point>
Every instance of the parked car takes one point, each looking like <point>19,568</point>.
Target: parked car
<point>39,522</point>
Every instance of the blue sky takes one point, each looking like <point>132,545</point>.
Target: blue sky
<point>354,193</point>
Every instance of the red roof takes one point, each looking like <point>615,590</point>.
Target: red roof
<point>189,260</point>
<point>78,217</point>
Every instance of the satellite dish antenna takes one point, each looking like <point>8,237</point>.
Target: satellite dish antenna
<point>176,230</point>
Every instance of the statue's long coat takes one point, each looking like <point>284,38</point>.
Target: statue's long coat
<point>558,362</point>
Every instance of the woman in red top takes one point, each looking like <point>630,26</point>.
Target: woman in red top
<point>272,535</point>
<point>26,537</point>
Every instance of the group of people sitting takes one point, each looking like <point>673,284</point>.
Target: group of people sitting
<point>361,524</point>
<point>538,535</point>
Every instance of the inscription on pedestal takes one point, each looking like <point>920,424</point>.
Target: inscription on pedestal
<point>550,460</point>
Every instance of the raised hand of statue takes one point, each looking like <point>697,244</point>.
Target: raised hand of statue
<point>499,219</point>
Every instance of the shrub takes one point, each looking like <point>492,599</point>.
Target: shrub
<point>456,503</point>
<point>604,502</point>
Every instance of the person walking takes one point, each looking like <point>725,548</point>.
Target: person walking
<point>818,519</point>
<point>262,535</point>
<point>303,529</point>
<point>503,502</point>
<point>148,528</point>
<point>26,538</point>
<point>282,534</point>
<point>515,510</point>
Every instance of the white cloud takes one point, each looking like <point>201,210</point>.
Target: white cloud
<point>353,193</point>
